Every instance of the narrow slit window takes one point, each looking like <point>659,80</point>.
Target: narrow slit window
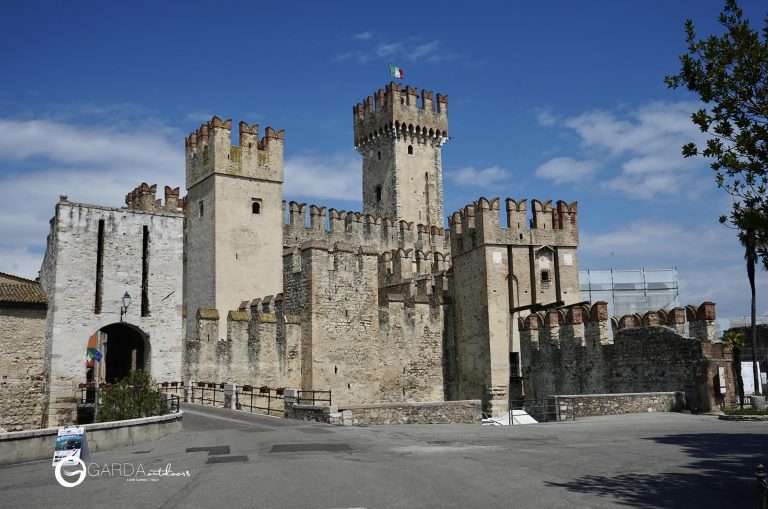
<point>378,194</point>
<point>145,271</point>
<point>99,269</point>
<point>201,208</point>
<point>378,155</point>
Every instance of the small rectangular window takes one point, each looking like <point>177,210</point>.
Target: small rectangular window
<point>545,278</point>
<point>201,209</point>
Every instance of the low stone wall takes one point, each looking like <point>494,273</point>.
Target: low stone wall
<point>327,414</point>
<point>433,412</point>
<point>38,444</point>
<point>586,405</point>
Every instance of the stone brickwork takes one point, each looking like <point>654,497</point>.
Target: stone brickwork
<point>380,234</point>
<point>234,217</point>
<point>499,273</point>
<point>442,412</point>
<point>23,366</point>
<point>383,306</point>
<point>69,278</point>
<point>400,136</point>
<point>568,351</point>
<point>572,406</point>
<point>335,328</point>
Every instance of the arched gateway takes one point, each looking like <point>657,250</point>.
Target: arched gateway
<point>122,348</point>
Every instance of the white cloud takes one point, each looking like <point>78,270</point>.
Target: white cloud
<point>412,49</point>
<point>322,176</point>
<point>643,144</point>
<point>423,50</point>
<point>88,164</point>
<point>708,258</point>
<point>68,144</point>
<point>478,177</point>
<point>545,118</point>
<point>388,49</point>
<point>562,170</point>
<point>22,262</point>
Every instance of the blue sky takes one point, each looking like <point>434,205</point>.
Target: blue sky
<point>563,101</point>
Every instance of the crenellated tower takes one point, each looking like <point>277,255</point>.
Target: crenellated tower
<point>234,226</point>
<point>504,269</point>
<point>400,134</point>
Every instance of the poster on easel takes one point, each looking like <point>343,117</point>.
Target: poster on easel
<point>71,445</point>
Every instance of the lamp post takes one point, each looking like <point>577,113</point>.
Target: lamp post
<point>124,308</point>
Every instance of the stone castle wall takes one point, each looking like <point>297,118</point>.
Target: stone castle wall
<point>400,135</point>
<point>311,222</point>
<point>24,368</point>
<point>332,329</point>
<point>568,351</point>
<point>69,280</point>
<point>234,218</point>
<point>499,272</point>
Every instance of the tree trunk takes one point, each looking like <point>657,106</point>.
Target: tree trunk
<point>751,262</point>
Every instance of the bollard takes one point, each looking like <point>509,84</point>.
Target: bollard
<point>230,391</point>
<point>762,487</point>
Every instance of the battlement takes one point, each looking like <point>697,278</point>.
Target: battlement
<point>362,230</point>
<point>568,351</point>
<point>142,197</point>
<point>406,265</point>
<point>209,150</point>
<point>480,223</point>
<point>549,327</point>
<point>401,112</point>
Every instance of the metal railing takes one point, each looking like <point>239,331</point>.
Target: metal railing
<point>313,397</point>
<point>260,400</point>
<point>91,396</point>
<point>266,400</point>
<point>544,410</point>
<point>205,393</point>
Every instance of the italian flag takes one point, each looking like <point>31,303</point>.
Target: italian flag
<point>396,72</point>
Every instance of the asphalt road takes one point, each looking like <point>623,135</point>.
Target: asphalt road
<point>238,460</point>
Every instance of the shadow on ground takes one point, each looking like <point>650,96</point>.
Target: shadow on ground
<point>722,474</point>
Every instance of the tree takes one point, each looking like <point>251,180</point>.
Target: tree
<point>729,73</point>
<point>131,397</point>
<point>735,341</point>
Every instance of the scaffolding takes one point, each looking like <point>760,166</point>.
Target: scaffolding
<point>630,291</point>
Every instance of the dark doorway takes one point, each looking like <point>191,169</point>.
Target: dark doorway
<point>125,350</point>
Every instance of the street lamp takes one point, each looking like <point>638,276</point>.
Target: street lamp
<point>124,308</point>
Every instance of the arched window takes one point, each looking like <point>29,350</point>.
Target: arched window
<point>256,206</point>
<point>410,149</point>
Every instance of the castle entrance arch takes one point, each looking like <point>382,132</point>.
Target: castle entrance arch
<point>122,348</point>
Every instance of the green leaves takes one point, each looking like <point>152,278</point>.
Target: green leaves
<point>729,73</point>
<point>132,397</point>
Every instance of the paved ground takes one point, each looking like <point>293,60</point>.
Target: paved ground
<point>645,460</point>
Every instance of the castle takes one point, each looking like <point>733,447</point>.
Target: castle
<point>233,284</point>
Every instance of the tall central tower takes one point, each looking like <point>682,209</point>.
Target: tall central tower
<point>400,135</point>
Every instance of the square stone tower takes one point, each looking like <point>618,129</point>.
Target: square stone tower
<point>400,134</point>
<point>234,223</point>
